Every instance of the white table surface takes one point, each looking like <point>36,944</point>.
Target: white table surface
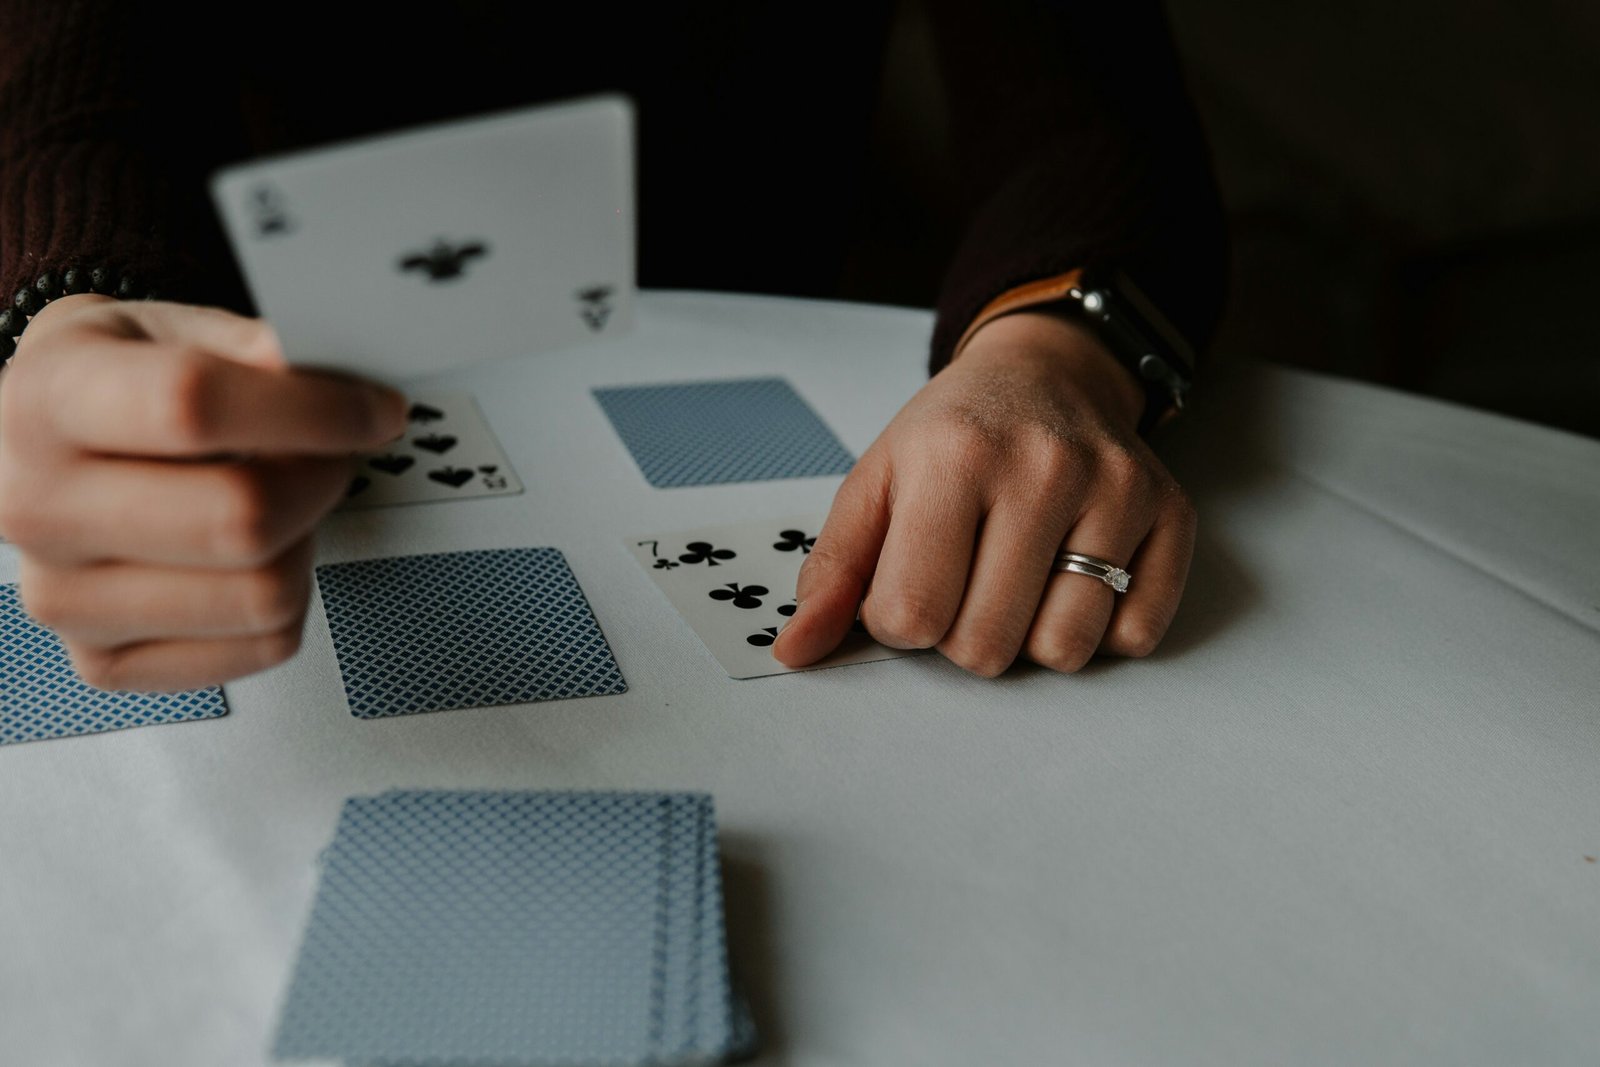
<point>1341,817</point>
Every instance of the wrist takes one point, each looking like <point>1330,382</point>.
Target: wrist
<point>1071,352</point>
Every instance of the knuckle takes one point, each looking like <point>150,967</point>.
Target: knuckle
<point>279,647</point>
<point>1182,507</point>
<point>186,399</point>
<point>1135,638</point>
<point>1061,649</point>
<point>904,621</point>
<point>21,520</point>
<point>97,667</point>
<point>985,659</point>
<point>273,598</point>
<point>243,524</point>
<point>46,601</point>
<point>1126,473</point>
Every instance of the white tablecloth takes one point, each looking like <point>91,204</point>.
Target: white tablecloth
<point>1343,816</point>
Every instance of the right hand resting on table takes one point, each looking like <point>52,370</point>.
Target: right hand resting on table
<point>161,471</point>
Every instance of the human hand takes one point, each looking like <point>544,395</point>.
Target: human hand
<point>161,471</point>
<point>945,531</point>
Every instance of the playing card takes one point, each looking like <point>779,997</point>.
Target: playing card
<point>406,254</point>
<point>481,927</point>
<point>463,630</point>
<point>41,696</point>
<point>709,433</point>
<point>734,585</point>
<point>448,453</point>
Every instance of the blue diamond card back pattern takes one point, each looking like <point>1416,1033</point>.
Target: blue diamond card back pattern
<point>713,433</point>
<point>41,695</point>
<point>484,927</point>
<point>456,630</point>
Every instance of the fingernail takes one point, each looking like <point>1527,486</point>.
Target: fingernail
<point>386,412</point>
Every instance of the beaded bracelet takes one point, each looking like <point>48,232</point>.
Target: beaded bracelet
<point>31,299</point>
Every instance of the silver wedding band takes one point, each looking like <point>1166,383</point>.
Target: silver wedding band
<point>1094,567</point>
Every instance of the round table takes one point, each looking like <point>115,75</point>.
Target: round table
<point>1348,813</point>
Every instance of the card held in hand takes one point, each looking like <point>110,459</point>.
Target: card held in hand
<point>734,585</point>
<point>408,254</point>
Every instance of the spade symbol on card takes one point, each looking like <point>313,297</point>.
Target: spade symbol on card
<point>767,636</point>
<point>443,260</point>
<point>436,443</point>
<point>594,305</point>
<point>747,596</point>
<point>391,464</point>
<point>454,477</point>
<point>268,214</point>
<point>424,413</point>
<point>702,552</point>
<point>793,539</point>
<point>358,485</point>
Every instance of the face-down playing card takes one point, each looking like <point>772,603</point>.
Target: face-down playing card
<point>516,928</point>
<point>712,433</point>
<point>405,254</point>
<point>734,585</point>
<point>463,630</point>
<point>41,695</point>
<point>447,453</point>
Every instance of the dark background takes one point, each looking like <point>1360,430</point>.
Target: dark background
<point>1413,189</point>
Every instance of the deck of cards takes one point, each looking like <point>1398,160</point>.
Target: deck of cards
<point>515,929</point>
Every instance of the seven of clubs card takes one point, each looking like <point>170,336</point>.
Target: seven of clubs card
<point>447,453</point>
<point>734,586</point>
<point>408,254</point>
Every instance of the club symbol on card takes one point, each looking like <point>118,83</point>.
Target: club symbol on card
<point>268,212</point>
<point>443,260</point>
<point>661,562</point>
<point>594,305</point>
<point>424,413</point>
<point>436,443</point>
<point>454,477</point>
<point>702,552</point>
<point>789,609</point>
<point>391,464</point>
<point>358,485</point>
<point>742,596</point>
<point>793,539</point>
<point>767,636</point>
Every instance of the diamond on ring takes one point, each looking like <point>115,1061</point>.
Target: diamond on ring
<point>1093,567</point>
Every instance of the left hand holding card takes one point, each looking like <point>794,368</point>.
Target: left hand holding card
<point>164,470</point>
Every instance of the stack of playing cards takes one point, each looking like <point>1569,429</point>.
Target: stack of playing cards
<point>515,928</point>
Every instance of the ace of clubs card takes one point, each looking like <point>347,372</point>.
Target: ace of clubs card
<point>408,254</point>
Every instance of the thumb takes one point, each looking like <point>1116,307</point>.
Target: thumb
<point>835,575</point>
<point>224,333</point>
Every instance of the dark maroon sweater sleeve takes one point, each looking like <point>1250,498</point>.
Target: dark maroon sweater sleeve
<point>1077,145</point>
<point>110,115</point>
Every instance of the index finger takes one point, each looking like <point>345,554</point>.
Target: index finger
<point>159,399</point>
<point>835,575</point>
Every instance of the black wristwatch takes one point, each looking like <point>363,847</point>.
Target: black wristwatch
<point>1138,335</point>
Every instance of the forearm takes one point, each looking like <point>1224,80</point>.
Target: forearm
<point>1080,148</point>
